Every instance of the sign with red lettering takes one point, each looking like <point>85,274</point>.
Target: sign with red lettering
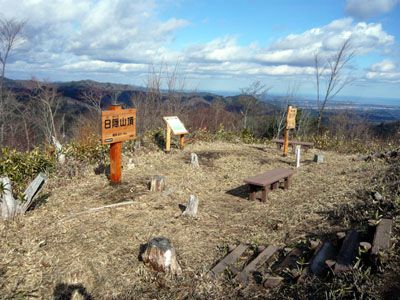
<point>118,125</point>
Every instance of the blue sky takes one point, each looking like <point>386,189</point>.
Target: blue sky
<point>217,45</point>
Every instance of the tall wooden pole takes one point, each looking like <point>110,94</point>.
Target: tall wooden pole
<point>115,156</point>
<point>286,143</point>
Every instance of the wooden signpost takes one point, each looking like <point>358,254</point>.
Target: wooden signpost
<point>176,126</point>
<point>117,125</point>
<point>290,124</point>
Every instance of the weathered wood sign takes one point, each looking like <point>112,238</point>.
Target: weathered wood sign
<point>118,125</point>
<point>291,117</point>
<point>290,124</point>
<point>176,126</point>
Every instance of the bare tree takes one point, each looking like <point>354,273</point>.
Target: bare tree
<point>10,34</point>
<point>249,99</point>
<point>48,104</point>
<point>333,74</point>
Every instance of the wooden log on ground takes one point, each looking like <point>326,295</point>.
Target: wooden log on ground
<point>326,251</point>
<point>348,252</point>
<point>191,207</point>
<point>382,236</point>
<point>160,255</point>
<point>31,191</point>
<point>262,258</point>
<point>157,184</point>
<point>291,259</point>
<point>194,160</point>
<point>228,260</point>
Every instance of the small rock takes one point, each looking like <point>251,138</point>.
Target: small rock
<point>131,164</point>
<point>365,245</point>
<point>341,235</point>
<point>378,196</point>
<point>271,282</point>
<point>260,248</point>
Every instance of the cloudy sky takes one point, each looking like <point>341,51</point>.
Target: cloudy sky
<point>218,44</point>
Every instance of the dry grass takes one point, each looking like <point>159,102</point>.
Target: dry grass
<point>43,254</point>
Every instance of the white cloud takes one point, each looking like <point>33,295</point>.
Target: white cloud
<point>117,37</point>
<point>384,71</point>
<point>364,9</point>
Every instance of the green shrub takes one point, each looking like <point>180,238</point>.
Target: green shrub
<point>22,167</point>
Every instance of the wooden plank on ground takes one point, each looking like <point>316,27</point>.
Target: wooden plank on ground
<point>228,260</point>
<point>382,236</point>
<point>325,252</point>
<point>259,260</point>
<point>348,252</point>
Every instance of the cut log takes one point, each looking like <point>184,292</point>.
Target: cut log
<point>262,258</point>
<point>160,255</point>
<point>194,160</point>
<point>157,184</point>
<point>291,259</point>
<point>10,207</point>
<point>348,252</point>
<point>325,252</point>
<point>228,260</point>
<point>191,207</point>
<point>382,236</point>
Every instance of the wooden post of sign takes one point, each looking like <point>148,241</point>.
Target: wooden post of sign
<point>286,142</point>
<point>290,124</point>
<point>115,156</point>
<point>181,141</point>
<point>168,140</point>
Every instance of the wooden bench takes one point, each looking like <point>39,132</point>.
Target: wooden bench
<point>305,145</point>
<point>268,181</point>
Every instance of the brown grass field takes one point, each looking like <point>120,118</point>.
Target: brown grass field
<point>51,251</point>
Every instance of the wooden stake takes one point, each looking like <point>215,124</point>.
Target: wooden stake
<point>181,141</point>
<point>115,156</point>
<point>286,143</point>
<point>298,150</point>
<point>168,140</point>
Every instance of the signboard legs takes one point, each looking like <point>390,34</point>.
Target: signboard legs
<point>115,156</point>
<point>182,141</point>
<point>168,140</point>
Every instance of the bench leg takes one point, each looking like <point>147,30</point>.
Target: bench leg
<point>275,185</point>
<point>288,181</point>
<point>253,192</point>
<point>265,191</point>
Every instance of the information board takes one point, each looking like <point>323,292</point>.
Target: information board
<point>176,125</point>
<point>291,118</point>
<point>118,125</point>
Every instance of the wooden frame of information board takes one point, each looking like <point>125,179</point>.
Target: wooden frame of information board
<point>117,125</point>
<point>176,127</point>
<point>290,124</point>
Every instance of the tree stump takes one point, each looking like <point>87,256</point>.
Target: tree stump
<point>191,207</point>
<point>160,255</point>
<point>157,184</point>
<point>10,207</point>
<point>194,160</point>
<point>59,154</point>
<point>319,158</point>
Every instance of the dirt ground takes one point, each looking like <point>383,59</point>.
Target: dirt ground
<point>53,253</point>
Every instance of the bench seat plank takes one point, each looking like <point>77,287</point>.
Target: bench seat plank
<point>269,177</point>
<point>307,144</point>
